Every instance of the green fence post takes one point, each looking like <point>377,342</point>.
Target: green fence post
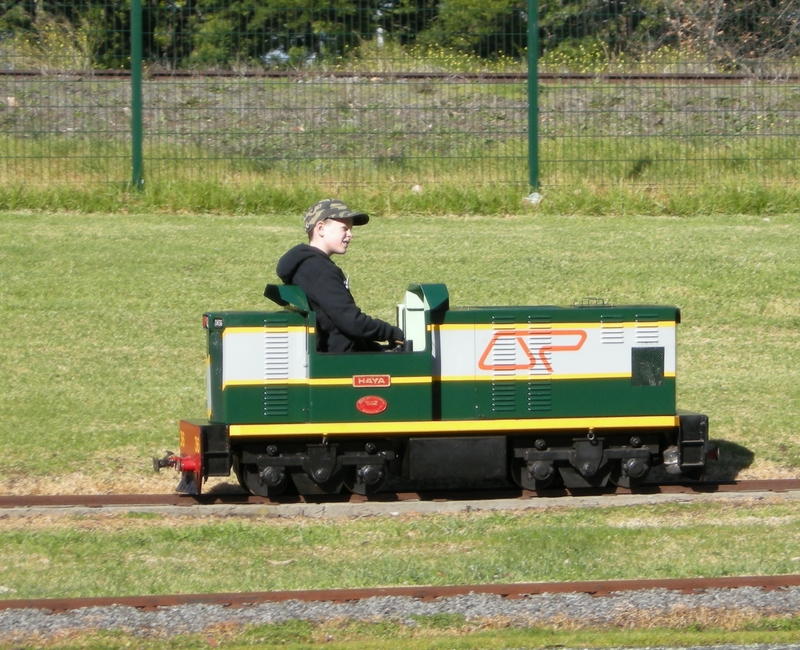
<point>533,93</point>
<point>137,178</point>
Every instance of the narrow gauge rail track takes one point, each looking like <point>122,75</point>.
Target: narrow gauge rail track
<point>511,591</point>
<point>112,500</point>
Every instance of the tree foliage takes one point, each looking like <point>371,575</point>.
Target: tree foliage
<point>295,33</point>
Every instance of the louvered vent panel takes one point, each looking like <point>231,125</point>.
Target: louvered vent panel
<point>540,395</point>
<point>646,329</point>
<point>612,331</point>
<point>276,369</point>
<point>504,395</point>
<point>503,360</point>
<point>540,341</point>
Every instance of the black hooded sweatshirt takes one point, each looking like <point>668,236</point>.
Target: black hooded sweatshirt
<point>340,325</point>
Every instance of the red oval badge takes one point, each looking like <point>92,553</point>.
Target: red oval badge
<point>371,404</point>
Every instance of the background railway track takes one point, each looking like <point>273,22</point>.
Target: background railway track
<point>111,500</point>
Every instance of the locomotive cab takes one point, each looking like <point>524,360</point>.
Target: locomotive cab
<point>534,396</point>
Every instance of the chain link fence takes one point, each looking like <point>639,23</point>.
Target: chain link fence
<point>399,92</point>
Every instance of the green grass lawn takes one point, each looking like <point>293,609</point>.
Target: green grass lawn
<point>120,555</point>
<point>103,349</point>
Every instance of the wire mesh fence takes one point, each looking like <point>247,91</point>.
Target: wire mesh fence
<point>310,91</point>
<point>333,129</point>
<point>400,92</point>
<point>670,92</point>
<point>63,120</point>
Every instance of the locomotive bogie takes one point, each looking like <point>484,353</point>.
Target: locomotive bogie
<point>538,396</point>
<point>311,467</point>
<point>588,460</point>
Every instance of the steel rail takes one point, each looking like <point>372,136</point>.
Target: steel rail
<point>598,588</point>
<point>487,77</point>
<point>121,500</point>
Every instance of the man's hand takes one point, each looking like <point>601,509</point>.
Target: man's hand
<point>398,337</point>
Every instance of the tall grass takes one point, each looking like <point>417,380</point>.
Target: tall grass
<point>440,199</point>
<point>728,196</point>
<point>53,45</point>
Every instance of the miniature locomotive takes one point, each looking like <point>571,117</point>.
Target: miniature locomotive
<point>538,396</point>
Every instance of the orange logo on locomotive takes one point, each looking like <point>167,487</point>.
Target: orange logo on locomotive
<point>521,335</point>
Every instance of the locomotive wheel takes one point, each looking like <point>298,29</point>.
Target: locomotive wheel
<point>302,483</point>
<point>357,486</point>
<point>523,479</point>
<point>625,481</point>
<point>237,471</point>
<point>252,482</point>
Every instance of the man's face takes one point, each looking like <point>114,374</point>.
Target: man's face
<point>334,235</point>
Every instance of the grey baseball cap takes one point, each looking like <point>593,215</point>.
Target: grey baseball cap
<point>332,209</point>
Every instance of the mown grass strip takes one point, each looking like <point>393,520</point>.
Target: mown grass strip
<point>124,555</point>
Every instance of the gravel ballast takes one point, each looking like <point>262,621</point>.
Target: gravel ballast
<point>621,609</point>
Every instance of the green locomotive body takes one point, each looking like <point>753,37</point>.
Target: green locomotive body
<point>537,395</point>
